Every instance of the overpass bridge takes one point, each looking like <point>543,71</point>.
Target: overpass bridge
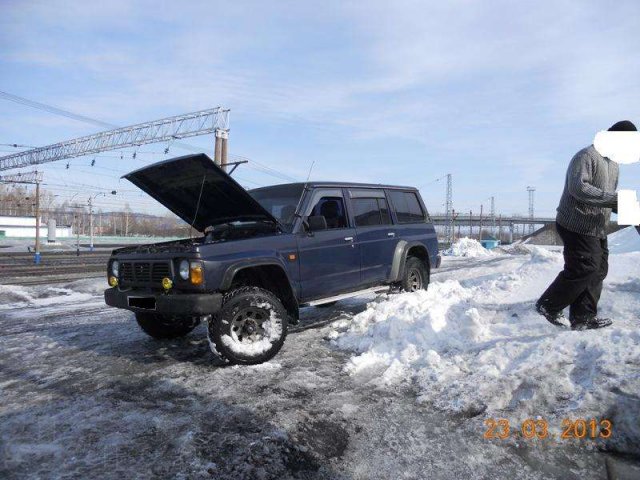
<point>507,228</point>
<point>506,220</point>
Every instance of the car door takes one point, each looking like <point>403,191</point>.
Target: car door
<point>375,232</point>
<point>329,259</point>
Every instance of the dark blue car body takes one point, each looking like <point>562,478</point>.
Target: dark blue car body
<point>371,231</point>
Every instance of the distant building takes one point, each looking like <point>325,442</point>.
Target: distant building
<point>25,227</point>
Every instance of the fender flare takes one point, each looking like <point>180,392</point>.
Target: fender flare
<point>234,268</point>
<point>400,258</point>
<point>290,298</point>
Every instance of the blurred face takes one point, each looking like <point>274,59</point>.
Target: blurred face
<point>621,147</point>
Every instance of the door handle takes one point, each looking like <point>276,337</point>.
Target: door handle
<point>348,239</point>
<point>391,234</point>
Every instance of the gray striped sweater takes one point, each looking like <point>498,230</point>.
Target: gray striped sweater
<point>589,193</point>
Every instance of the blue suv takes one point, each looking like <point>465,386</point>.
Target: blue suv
<point>255,257</point>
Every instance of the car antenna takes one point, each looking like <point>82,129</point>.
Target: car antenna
<point>297,214</point>
<point>197,207</point>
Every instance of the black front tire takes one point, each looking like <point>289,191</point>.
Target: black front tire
<point>250,328</point>
<point>415,276</point>
<point>165,326</point>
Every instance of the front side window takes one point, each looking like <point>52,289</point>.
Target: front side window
<point>371,211</point>
<point>332,209</point>
<point>407,207</point>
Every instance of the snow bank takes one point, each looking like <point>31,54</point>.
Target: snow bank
<point>467,247</point>
<point>476,346</point>
<point>624,241</point>
<point>12,296</point>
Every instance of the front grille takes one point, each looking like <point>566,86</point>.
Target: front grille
<point>159,271</point>
<point>144,272</point>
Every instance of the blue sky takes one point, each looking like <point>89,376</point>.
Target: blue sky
<point>500,94</point>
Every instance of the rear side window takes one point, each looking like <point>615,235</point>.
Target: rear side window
<point>371,211</point>
<point>407,206</point>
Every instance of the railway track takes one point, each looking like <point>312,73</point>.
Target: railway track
<point>18,268</point>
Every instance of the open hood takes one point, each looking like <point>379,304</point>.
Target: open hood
<point>178,183</point>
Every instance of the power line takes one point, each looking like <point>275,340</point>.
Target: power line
<point>75,116</point>
<point>54,110</point>
<point>83,118</point>
<point>16,145</point>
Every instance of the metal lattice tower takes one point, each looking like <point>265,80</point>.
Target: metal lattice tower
<point>163,130</point>
<point>448,229</point>
<point>22,177</point>
<point>531,210</point>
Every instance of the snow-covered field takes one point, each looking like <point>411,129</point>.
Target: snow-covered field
<point>473,345</point>
<point>387,387</point>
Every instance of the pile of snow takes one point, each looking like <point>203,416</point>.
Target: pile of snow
<point>625,241</point>
<point>476,346</point>
<point>13,296</point>
<point>467,247</point>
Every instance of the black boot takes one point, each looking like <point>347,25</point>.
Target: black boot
<point>590,323</point>
<point>553,317</point>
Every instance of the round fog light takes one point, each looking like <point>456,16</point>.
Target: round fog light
<point>113,281</point>
<point>167,283</point>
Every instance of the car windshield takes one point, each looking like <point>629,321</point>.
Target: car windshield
<point>280,201</point>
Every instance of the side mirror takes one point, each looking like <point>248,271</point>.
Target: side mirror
<point>316,223</point>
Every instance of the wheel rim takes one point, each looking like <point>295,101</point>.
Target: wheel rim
<point>415,280</point>
<point>247,325</point>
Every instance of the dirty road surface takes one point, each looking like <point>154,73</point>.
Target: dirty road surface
<point>85,394</point>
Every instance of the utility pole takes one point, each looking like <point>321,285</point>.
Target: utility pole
<point>531,212</point>
<point>220,148</point>
<point>77,234</point>
<point>224,149</point>
<point>90,224</point>
<point>454,217</point>
<point>470,223</point>
<point>500,228</point>
<point>37,255</point>
<point>493,215</point>
<point>29,178</point>
<point>480,232</point>
<point>448,229</point>
<point>113,192</point>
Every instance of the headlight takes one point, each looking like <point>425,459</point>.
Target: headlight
<point>184,269</point>
<point>115,268</point>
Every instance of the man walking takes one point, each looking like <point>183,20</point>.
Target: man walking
<point>586,204</point>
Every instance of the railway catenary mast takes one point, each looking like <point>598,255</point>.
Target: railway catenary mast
<point>164,130</point>
<point>30,178</point>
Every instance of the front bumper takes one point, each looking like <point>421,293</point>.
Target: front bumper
<point>168,304</point>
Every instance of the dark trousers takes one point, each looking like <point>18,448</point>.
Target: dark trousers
<point>579,285</point>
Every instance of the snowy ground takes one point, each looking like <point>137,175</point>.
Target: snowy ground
<point>389,387</point>
<point>473,345</point>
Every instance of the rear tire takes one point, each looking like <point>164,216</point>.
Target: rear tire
<point>415,276</point>
<point>166,326</point>
<point>250,328</point>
